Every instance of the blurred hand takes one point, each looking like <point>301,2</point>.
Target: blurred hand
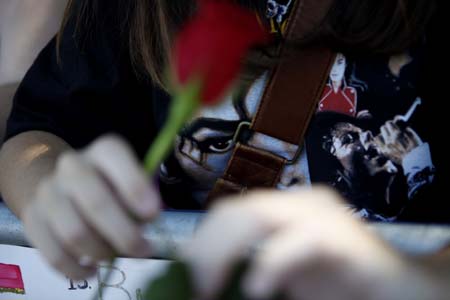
<point>91,208</point>
<point>308,248</point>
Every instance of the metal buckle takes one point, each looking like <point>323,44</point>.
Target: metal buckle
<point>246,124</point>
<point>237,134</point>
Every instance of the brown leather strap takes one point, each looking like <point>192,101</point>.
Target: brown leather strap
<point>292,94</point>
<point>248,167</point>
<point>287,105</point>
<point>310,13</point>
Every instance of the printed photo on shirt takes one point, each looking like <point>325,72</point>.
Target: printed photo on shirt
<point>379,164</point>
<point>377,158</point>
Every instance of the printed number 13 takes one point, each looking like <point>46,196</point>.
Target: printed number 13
<point>82,286</point>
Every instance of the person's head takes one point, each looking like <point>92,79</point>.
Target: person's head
<point>338,70</point>
<point>356,151</point>
<point>381,26</point>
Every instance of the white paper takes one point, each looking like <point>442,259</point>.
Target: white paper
<point>128,281</point>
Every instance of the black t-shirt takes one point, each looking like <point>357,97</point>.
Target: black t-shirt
<point>92,90</point>
<point>375,137</point>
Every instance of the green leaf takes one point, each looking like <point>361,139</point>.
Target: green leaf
<point>175,284</point>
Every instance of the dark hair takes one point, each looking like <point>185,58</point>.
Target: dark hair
<point>375,26</point>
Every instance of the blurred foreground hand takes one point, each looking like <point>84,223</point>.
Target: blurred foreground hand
<point>306,246</point>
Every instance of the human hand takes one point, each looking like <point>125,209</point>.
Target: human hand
<point>308,247</point>
<point>396,142</point>
<point>91,208</point>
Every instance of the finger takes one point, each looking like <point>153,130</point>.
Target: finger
<point>379,139</point>
<point>116,161</point>
<point>76,236</point>
<point>279,208</point>
<point>392,127</point>
<point>387,135</point>
<point>224,238</point>
<point>413,135</point>
<point>389,130</point>
<point>384,132</point>
<point>40,236</point>
<point>99,206</point>
<point>281,257</point>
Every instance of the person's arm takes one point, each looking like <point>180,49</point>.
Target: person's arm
<point>82,194</point>
<point>26,26</point>
<point>77,207</point>
<point>24,160</point>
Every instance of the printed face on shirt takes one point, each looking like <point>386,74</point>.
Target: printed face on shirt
<point>357,151</point>
<point>338,69</point>
<point>205,146</point>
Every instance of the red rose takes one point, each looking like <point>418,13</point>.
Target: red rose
<point>213,44</point>
<point>208,54</point>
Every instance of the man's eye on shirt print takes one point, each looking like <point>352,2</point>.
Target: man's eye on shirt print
<point>205,145</point>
